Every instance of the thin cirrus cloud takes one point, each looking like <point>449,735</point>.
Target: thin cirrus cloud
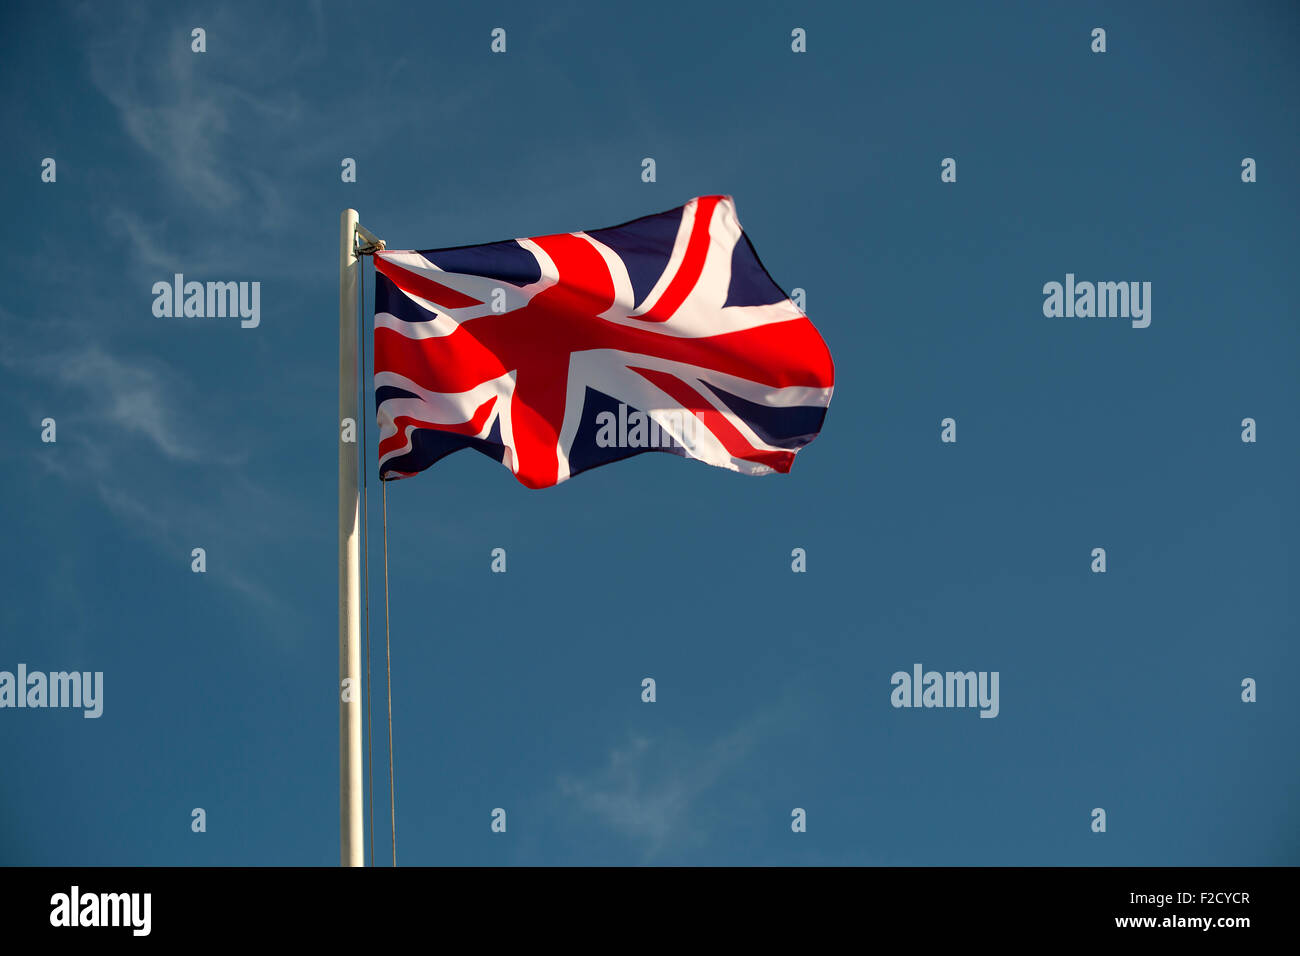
<point>650,793</point>
<point>130,396</point>
<point>631,798</point>
<point>180,110</point>
<point>110,398</point>
<point>228,142</point>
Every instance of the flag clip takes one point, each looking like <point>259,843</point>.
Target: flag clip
<point>367,243</point>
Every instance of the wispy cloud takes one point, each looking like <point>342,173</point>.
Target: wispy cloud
<point>184,109</point>
<point>631,798</point>
<point>128,508</point>
<point>144,242</point>
<point>134,396</point>
<point>110,399</point>
<point>649,791</point>
<point>229,138</point>
<point>227,141</point>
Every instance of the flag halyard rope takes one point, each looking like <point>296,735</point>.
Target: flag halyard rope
<point>367,245</point>
<point>392,796</point>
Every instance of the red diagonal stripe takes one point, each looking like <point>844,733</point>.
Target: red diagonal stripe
<point>447,363</point>
<point>425,288</point>
<point>732,440</point>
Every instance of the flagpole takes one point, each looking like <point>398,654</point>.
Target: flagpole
<point>351,833</point>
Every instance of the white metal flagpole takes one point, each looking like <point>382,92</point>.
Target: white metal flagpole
<point>352,835</point>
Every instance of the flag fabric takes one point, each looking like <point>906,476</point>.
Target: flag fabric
<point>560,353</point>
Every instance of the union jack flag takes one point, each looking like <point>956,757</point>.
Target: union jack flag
<point>559,353</point>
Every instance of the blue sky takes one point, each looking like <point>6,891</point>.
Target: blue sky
<point>1118,690</point>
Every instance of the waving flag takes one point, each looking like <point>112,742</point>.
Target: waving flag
<point>559,353</point>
